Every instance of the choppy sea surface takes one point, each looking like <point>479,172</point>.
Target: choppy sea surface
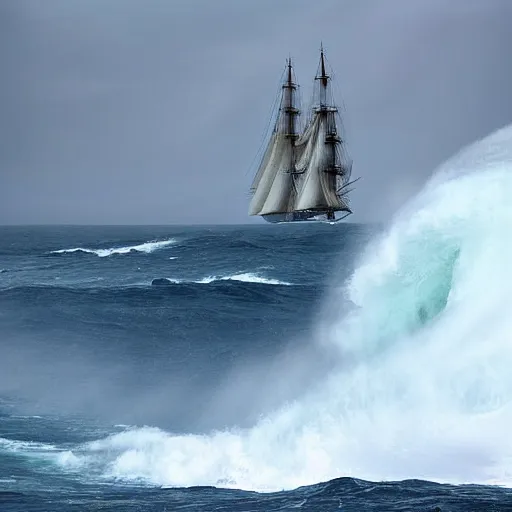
<point>267,367</point>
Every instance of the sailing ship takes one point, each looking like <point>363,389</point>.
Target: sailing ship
<point>304,174</point>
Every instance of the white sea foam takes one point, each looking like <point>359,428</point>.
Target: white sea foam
<point>147,247</point>
<point>423,388</point>
<point>245,277</point>
<point>14,445</point>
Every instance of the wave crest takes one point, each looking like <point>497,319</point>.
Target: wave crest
<point>147,247</point>
<point>245,277</point>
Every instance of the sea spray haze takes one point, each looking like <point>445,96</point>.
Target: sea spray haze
<point>135,361</point>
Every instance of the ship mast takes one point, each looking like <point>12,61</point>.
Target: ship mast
<point>291,112</point>
<point>323,77</point>
<point>332,139</point>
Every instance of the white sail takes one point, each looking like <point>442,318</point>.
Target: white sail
<point>265,176</point>
<point>280,197</point>
<point>317,188</point>
<point>270,186</point>
<point>263,165</point>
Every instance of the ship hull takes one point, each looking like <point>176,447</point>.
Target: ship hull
<point>302,216</point>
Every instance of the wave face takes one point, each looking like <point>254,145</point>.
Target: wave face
<point>116,337</point>
<point>422,387</point>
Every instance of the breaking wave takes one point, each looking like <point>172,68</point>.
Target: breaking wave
<point>13,445</point>
<point>423,387</point>
<point>245,277</point>
<point>147,247</point>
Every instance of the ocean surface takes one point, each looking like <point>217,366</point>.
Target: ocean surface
<point>266,367</point>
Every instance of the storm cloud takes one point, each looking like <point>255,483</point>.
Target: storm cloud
<point>151,112</point>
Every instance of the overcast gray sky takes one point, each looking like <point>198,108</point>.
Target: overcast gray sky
<point>125,111</point>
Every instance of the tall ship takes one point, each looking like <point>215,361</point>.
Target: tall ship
<point>305,171</point>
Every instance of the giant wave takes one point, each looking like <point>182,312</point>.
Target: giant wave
<point>423,387</point>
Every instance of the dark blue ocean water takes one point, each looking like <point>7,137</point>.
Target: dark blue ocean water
<point>127,353</point>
